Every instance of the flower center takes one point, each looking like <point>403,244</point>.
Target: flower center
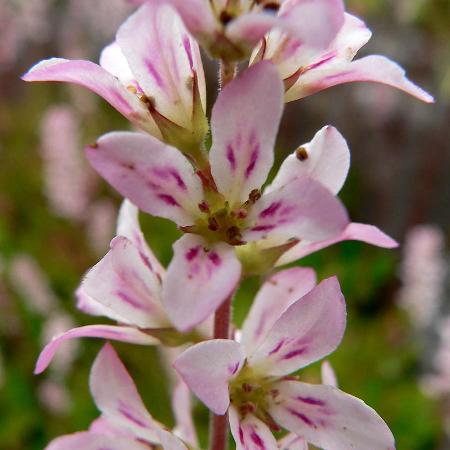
<point>222,222</point>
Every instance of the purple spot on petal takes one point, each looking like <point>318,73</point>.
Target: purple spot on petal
<point>231,157</point>
<point>241,435</point>
<point>124,411</point>
<point>324,60</point>
<point>192,253</point>
<point>295,353</point>
<point>302,417</point>
<point>168,199</point>
<point>270,210</point>
<point>263,228</point>
<point>311,401</point>
<point>188,50</point>
<point>252,163</point>
<point>214,258</point>
<point>123,104</point>
<point>154,73</point>
<point>129,300</point>
<point>277,347</point>
<point>234,369</point>
<point>181,184</point>
<point>257,440</point>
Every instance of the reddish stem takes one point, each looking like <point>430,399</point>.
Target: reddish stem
<point>219,424</point>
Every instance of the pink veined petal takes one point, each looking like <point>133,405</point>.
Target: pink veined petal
<point>276,295</point>
<point>197,15</point>
<point>123,285</point>
<point>307,331</point>
<point>292,442</point>
<point>198,280</point>
<point>102,425</point>
<point>244,126</point>
<point>374,68</point>
<point>98,80</point>
<point>313,22</point>
<point>92,441</point>
<point>248,29</point>
<point>325,159</point>
<point>164,59</point>
<point>169,441</point>
<point>116,396</point>
<point>329,418</point>
<point>182,410</point>
<point>111,332</point>
<point>353,232</point>
<point>303,209</point>
<point>128,226</point>
<point>250,433</point>
<point>328,375</point>
<point>155,177</point>
<point>207,367</point>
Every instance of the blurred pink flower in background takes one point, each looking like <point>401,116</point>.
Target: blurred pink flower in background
<point>423,272</point>
<point>68,180</point>
<point>100,225</point>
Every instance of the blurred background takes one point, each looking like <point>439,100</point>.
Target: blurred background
<point>57,217</point>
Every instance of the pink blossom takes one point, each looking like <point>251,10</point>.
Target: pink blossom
<point>128,286</point>
<point>100,223</point>
<point>124,422</point>
<point>152,74</point>
<point>251,379</point>
<point>306,70</point>
<point>230,30</point>
<point>227,209</point>
<point>68,181</point>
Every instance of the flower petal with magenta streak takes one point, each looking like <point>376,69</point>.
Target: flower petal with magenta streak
<point>198,280</point>
<point>329,418</point>
<point>116,396</point>
<point>155,177</point>
<point>303,209</point>
<point>276,295</point>
<point>244,126</point>
<point>307,331</point>
<point>124,287</point>
<point>164,58</point>
<point>250,433</point>
<point>207,367</point>
<point>110,332</point>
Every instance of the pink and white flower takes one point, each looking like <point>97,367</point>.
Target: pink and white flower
<point>230,29</point>
<point>251,379</point>
<point>223,206</point>
<point>128,286</point>
<point>124,423</point>
<point>306,70</point>
<point>152,74</point>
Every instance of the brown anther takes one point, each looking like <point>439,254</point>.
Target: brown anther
<point>148,101</point>
<point>247,408</point>
<point>291,378</point>
<point>94,145</point>
<point>225,17</point>
<point>234,232</point>
<point>254,196</point>
<point>247,387</point>
<point>203,207</point>
<point>187,229</point>
<point>132,89</point>
<point>213,225</point>
<point>301,154</point>
<point>272,6</point>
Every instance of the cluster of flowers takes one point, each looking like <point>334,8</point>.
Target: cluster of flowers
<point>152,73</point>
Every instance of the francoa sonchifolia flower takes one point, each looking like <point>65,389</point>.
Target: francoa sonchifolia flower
<point>152,74</point>
<point>251,379</point>
<point>306,70</point>
<point>124,423</point>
